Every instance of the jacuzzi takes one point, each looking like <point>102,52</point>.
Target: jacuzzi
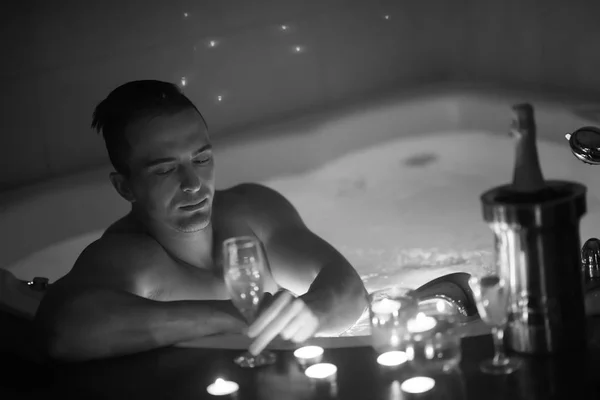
<point>393,184</point>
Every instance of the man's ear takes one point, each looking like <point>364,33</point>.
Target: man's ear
<point>122,185</point>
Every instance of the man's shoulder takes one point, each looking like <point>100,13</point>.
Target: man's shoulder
<point>260,205</point>
<point>123,262</point>
<point>252,195</point>
<point>127,261</point>
<point>126,224</point>
<point>122,248</point>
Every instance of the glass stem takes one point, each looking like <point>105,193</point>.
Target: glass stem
<point>499,355</point>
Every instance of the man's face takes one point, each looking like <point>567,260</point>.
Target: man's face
<point>172,170</point>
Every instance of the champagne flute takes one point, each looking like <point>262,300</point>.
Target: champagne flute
<point>491,295</point>
<point>244,271</point>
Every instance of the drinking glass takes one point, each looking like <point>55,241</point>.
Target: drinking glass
<point>244,272</point>
<point>390,310</point>
<point>434,340</point>
<point>491,296</point>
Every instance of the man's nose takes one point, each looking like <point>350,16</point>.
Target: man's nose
<point>190,181</point>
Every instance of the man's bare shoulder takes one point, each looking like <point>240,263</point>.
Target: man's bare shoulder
<point>123,245</point>
<point>126,261</point>
<point>250,189</point>
<point>127,224</point>
<point>250,198</point>
<point>253,195</point>
<point>262,207</point>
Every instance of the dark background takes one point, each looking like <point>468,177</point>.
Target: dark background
<point>60,58</point>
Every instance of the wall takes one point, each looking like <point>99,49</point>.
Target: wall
<point>61,58</point>
<point>547,45</point>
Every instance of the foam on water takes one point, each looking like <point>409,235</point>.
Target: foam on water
<point>408,211</point>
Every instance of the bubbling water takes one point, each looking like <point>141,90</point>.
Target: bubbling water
<point>413,268</point>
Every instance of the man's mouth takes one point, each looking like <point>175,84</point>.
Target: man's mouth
<point>196,206</point>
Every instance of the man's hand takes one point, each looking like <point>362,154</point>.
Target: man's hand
<point>283,315</point>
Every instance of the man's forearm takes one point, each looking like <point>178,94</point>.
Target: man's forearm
<point>338,297</point>
<point>99,323</point>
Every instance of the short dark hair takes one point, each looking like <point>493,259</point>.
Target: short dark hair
<point>131,102</point>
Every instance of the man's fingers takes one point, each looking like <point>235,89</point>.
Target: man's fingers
<point>266,302</point>
<point>273,329</point>
<point>306,330</point>
<point>294,326</point>
<point>269,314</point>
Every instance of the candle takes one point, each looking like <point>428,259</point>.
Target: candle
<point>324,379</point>
<point>394,391</point>
<point>440,306</point>
<point>418,384</point>
<point>309,354</point>
<point>392,358</point>
<point>421,323</point>
<point>385,306</point>
<point>321,371</point>
<point>222,387</point>
<point>394,340</point>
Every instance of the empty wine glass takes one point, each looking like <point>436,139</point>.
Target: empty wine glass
<point>244,272</point>
<point>491,296</point>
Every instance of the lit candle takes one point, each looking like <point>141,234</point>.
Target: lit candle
<point>429,351</point>
<point>309,354</point>
<point>392,358</point>
<point>394,391</point>
<point>421,323</point>
<point>323,371</point>
<point>394,340</point>
<point>440,306</point>
<point>222,387</point>
<point>385,306</point>
<point>418,384</point>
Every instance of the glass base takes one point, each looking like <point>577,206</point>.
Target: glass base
<point>509,365</point>
<point>247,360</point>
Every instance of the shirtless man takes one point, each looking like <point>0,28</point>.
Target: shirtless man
<point>154,278</point>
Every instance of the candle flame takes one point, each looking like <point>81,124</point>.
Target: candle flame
<point>320,371</point>
<point>308,352</point>
<point>418,384</point>
<point>421,323</point>
<point>392,358</point>
<point>440,306</point>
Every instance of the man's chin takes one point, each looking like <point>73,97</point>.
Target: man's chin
<point>193,224</point>
<point>192,228</point>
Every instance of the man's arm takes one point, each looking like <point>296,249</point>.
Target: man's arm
<point>335,291</point>
<point>90,314</point>
<point>304,263</point>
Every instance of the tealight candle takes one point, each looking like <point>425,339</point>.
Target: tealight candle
<point>222,387</point>
<point>418,384</point>
<point>421,323</point>
<point>321,371</point>
<point>392,358</point>
<point>441,306</point>
<point>385,306</point>
<point>309,354</point>
<point>394,391</point>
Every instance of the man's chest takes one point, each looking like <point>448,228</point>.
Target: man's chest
<point>192,283</point>
<point>207,282</point>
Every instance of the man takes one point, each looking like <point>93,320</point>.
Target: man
<point>154,278</point>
